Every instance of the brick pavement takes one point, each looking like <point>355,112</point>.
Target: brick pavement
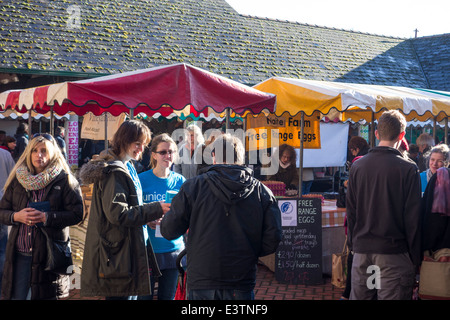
<point>268,288</point>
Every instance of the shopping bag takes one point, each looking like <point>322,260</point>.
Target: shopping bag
<point>339,267</point>
<point>434,282</point>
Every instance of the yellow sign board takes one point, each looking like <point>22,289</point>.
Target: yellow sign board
<point>267,131</point>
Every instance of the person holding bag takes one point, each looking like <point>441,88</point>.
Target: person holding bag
<point>42,198</point>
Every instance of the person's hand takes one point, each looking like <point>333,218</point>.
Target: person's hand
<point>29,216</point>
<point>165,206</point>
<point>154,223</point>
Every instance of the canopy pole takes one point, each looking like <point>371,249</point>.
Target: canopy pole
<point>227,118</point>
<point>446,131</point>
<point>434,128</point>
<point>300,169</point>
<point>30,123</point>
<point>372,131</point>
<point>52,120</point>
<point>131,114</point>
<point>106,131</point>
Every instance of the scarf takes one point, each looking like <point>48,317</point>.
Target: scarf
<point>441,199</point>
<point>284,166</point>
<point>38,181</point>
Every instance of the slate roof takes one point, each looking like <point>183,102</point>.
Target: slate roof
<point>104,36</point>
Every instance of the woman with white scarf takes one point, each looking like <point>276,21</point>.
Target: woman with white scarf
<point>41,175</point>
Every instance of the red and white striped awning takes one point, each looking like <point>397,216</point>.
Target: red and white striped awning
<point>162,89</point>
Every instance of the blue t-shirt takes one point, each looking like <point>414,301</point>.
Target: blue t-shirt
<point>154,189</point>
<point>137,184</point>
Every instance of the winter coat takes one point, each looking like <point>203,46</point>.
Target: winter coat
<point>115,259</point>
<point>66,206</point>
<point>436,227</point>
<point>232,219</point>
<point>383,204</point>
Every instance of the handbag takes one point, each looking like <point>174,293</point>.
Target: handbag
<point>59,255</point>
<point>339,267</point>
<point>434,282</point>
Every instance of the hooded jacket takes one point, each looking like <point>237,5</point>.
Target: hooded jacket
<point>232,219</point>
<point>115,261</point>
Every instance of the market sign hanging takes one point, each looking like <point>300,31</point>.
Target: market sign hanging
<point>267,131</point>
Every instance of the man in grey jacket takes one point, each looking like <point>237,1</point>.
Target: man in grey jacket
<point>6,166</point>
<point>383,212</point>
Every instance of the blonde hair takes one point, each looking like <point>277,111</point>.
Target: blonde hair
<point>55,158</point>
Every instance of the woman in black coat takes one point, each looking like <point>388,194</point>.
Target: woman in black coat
<point>40,175</point>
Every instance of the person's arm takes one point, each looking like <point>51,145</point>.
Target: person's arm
<point>412,215</point>
<point>272,232</point>
<point>175,223</point>
<point>116,198</point>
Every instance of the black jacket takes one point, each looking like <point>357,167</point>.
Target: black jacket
<point>66,206</point>
<point>383,204</point>
<point>436,227</point>
<point>232,219</point>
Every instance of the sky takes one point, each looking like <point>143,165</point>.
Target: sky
<point>396,18</point>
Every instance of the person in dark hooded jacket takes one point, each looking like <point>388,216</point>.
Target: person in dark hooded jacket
<point>232,219</point>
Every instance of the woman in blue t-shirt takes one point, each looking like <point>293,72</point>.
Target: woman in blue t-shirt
<point>155,183</point>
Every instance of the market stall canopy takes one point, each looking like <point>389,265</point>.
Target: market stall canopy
<point>355,101</point>
<point>160,89</point>
<point>13,114</point>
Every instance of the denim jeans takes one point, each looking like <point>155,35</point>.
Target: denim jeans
<point>221,294</point>
<point>22,276</point>
<point>167,285</point>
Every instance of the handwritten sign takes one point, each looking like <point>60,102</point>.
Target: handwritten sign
<point>93,127</point>
<point>72,143</point>
<point>298,259</point>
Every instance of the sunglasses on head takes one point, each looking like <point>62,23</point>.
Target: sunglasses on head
<point>44,135</point>
<point>164,152</point>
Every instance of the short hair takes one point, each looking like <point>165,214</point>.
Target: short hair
<point>59,129</point>
<point>129,132</point>
<point>390,125</point>
<point>425,139</point>
<point>440,148</point>
<point>358,142</point>
<point>228,149</point>
<point>22,128</point>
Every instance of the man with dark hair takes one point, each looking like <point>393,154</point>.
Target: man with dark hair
<point>232,219</point>
<point>21,137</point>
<point>59,137</point>
<point>383,211</point>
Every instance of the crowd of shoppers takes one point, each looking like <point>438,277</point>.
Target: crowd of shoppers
<point>213,209</point>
